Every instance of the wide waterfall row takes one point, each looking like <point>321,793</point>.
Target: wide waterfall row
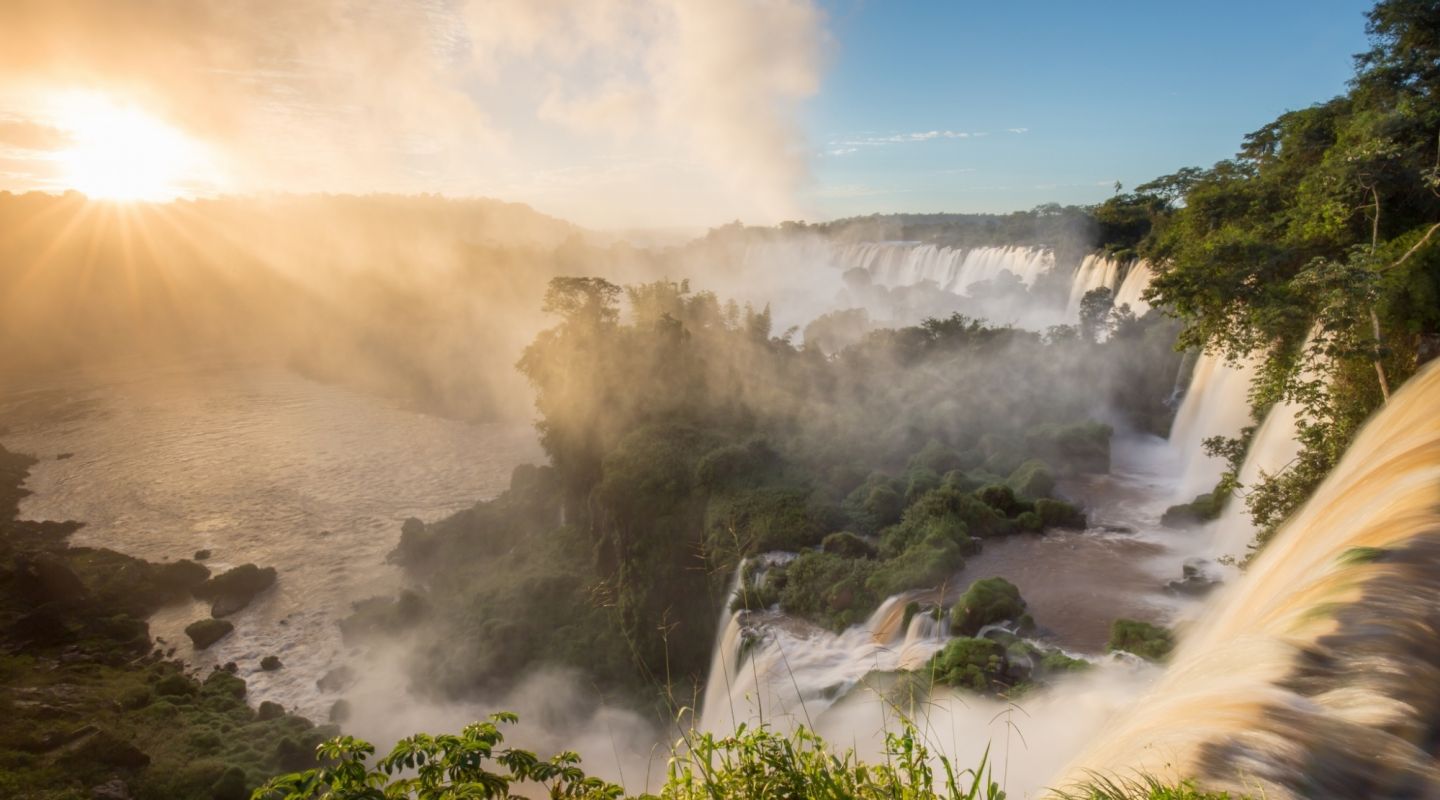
<point>1318,673</point>
<point>952,269</point>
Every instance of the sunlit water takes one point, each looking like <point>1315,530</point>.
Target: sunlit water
<point>257,465</point>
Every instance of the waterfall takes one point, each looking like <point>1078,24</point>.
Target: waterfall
<point>725,655</point>
<point>1095,271</point>
<point>1217,403</point>
<point>1273,448</point>
<point>952,269</point>
<point>1317,674</point>
<point>794,672</point>
<point>1137,280</point>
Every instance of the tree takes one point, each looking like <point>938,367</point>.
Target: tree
<point>1095,309</point>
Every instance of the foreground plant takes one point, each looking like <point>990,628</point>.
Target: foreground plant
<point>426,767</point>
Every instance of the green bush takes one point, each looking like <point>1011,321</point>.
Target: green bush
<point>829,589</point>
<point>1032,479</point>
<point>847,544</point>
<point>765,519</point>
<point>1001,498</point>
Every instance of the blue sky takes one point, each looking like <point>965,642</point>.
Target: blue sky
<point>1103,92</point>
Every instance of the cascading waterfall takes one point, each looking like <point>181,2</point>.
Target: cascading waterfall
<point>1132,289</point>
<point>1216,404</point>
<point>1318,673</point>
<point>1096,271</point>
<point>791,673</point>
<point>1272,449</point>
<point>952,269</point>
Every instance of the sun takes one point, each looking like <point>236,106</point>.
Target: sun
<point>119,152</point>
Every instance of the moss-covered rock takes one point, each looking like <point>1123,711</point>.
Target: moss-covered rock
<point>970,663</point>
<point>1204,508</point>
<point>988,601</point>
<point>1143,639</point>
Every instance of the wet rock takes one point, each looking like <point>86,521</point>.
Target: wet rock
<point>201,555</point>
<point>1194,581</point>
<point>64,456</point>
<point>111,790</point>
<point>182,576</point>
<point>270,663</point>
<point>336,679</point>
<point>231,667</point>
<point>233,590</point>
<point>269,710</point>
<point>340,711</point>
<point>207,632</point>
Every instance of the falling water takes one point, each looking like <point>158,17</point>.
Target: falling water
<point>1272,449</point>
<point>791,672</point>
<point>1318,673</point>
<point>1096,271</point>
<point>1132,289</point>
<point>1216,404</point>
<point>952,269</point>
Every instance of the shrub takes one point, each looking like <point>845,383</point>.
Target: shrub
<point>847,544</point>
<point>1032,479</point>
<point>829,589</point>
<point>1001,498</point>
<point>761,520</point>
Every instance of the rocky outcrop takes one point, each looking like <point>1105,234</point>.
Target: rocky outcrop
<point>233,590</point>
<point>207,632</point>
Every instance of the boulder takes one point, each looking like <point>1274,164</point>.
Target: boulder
<point>269,710</point>
<point>1194,582</point>
<point>233,590</point>
<point>340,711</point>
<point>201,555</point>
<point>207,632</point>
<point>270,663</point>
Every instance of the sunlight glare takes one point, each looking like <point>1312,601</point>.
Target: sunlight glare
<point>123,153</point>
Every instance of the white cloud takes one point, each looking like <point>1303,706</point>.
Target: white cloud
<point>461,96</point>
